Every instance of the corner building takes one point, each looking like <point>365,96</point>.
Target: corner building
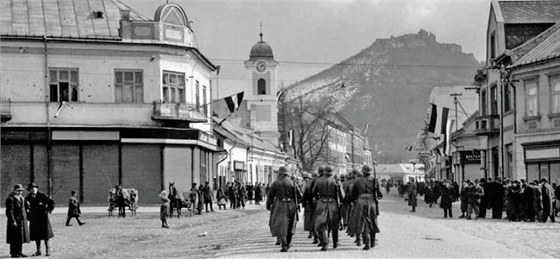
<point>95,94</point>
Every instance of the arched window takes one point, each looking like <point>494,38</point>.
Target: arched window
<point>261,87</point>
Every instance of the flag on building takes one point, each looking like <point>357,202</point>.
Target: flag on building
<point>438,120</point>
<point>291,139</point>
<point>448,131</point>
<point>367,127</point>
<point>234,101</point>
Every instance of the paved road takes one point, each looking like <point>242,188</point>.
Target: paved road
<point>404,234</point>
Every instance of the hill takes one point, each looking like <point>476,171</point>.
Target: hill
<point>388,84</point>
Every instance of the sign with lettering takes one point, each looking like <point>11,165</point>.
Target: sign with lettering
<point>207,138</point>
<point>470,157</point>
<point>238,165</point>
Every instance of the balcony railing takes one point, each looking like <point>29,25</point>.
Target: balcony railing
<point>5,109</point>
<point>179,112</point>
<point>487,125</point>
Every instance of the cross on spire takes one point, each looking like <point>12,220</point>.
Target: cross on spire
<point>261,34</point>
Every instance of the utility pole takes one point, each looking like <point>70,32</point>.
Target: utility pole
<point>456,102</point>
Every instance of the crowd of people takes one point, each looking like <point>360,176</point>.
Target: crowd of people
<point>520,200</point>
<point>330,205</point>
<point>28,218</point>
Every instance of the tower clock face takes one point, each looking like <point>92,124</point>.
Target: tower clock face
<point>261,66</point>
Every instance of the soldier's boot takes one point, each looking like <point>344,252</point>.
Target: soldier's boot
<point>47,252</point>
<point>315,237</point>
<point>335,238</point>
<point>310,234</point>
<point>372,240</point>
<point>358,241</point>
<point>278,241</point>
<point>285,245</point>
<point>366,241</point>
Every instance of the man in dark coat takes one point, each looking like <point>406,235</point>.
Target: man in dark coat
<point>208,194</point>
<point>446,199</point>
<point>17,231</point>
<point>282,204</point>
<point>547,200</point>
<point>307,202</point>
<point>484,200</point>
<point>40,206</point>
<point>497,197</point>
<point>366,191</point>
<point>412,192</point>
<point>347,203</point>
<point>328,194</point>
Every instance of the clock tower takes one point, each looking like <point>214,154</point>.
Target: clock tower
<point>260,94</point>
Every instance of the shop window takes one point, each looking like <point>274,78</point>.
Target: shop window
<point>507,98</point>
<point>173,87</point>
<point>532,171</point>
<point>204,101</point>
<point>544,171</point>
<point>483,102</point>
<point>129,86</point>
<point>197,95</point>
<point>494,100</point>
<point>63,84</point>
<point>555,173</point>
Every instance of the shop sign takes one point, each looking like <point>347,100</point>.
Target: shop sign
<point>207,138</point>
<point>470,157</point>
<point>238,165</point>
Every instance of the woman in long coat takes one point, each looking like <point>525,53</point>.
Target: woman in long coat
<point>17,231</point>
<point>40,206</point>
<point>412,196</point>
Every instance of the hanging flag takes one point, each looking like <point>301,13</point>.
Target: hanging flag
<point>291,139</point>
<point>409,148</point>
<point>448,132</point>
<point>444,114</point>
<point>433,119</point>
<point>367,127</point>
<point>234,101</point>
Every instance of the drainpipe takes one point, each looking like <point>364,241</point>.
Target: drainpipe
<point>49,132</point>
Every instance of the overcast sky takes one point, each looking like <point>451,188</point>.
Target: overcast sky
<point>319,31</point>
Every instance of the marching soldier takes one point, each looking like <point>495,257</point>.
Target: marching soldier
<point>329,194</point>
<point>352,217</point>
<point>308,204</point>
<point>366,190</point>
<point>282,203</point>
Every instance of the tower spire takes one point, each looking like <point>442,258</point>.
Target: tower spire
<point>261,34</point>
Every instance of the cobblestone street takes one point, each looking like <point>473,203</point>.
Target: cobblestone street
<point>244,233</point>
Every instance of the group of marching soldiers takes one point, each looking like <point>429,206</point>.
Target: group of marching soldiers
<point>329,206</point>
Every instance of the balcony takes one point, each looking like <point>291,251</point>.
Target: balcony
<point>487,125</point>
<point>5,109</point>
<point>178,112</point>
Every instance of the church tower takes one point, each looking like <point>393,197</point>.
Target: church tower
<point>262,102</point>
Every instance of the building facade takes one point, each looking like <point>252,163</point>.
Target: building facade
<point>98,95</point>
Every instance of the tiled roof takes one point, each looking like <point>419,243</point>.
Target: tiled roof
<point>530,11</point>
<point>547,47</point>
<point>63,18</point>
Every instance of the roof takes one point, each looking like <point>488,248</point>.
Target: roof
<point>63,18</point>
<point>543,47</point>
<point>529,11</point>
<point>243,136</point>
<point>261,50</point>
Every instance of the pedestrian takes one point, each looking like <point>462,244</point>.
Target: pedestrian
<point>242,194</point>
<point>17,231</point>
<point>547,198</point>
<point>308,205</point>
<point>258,193</point>
<point>327,217</point>
<point>208,194</point>
<point>74,209</point>
<point>465,198</point>
<point>40,206</point>
<point>476,192</point>
<point>164,208</point>
<point>232,194</point>
<point>121,201</point>
<point>283,208</point>
<point>221,198</point>
<point>497,199</point>
<point>366,191</point>
<point>412,189</point>
<point>446,199</point>
<point>250,193</point>
<point>484,200</point>
<point>528,197</point>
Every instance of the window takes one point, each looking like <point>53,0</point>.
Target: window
<point>204,101</point>
<point>507,98</point>
<point>493,45</point>
<point>531,98</point>
<point>494,100</point>
<point>129,86</point>
<point>63,84</point>
<point>261,87</point>
<point>483,102</point>
<point>173,87</point>
<point>554,82</point>
<point>197,96</point>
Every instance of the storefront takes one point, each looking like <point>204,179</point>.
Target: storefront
<point>542,160</point>
<point>467,165</point>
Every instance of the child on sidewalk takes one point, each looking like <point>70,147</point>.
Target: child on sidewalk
<point>74,209</point>
<point>164,208</point>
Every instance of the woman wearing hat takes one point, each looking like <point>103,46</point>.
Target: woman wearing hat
<point>40,206</point>
<point>17,230</point>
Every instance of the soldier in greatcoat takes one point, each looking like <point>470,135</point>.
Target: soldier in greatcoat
<point>40,206</point>
<point>412,192</point>
<point>282,203</point>
<point>366,191</point>
<point>327,217</point>
<point>17,231</point>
